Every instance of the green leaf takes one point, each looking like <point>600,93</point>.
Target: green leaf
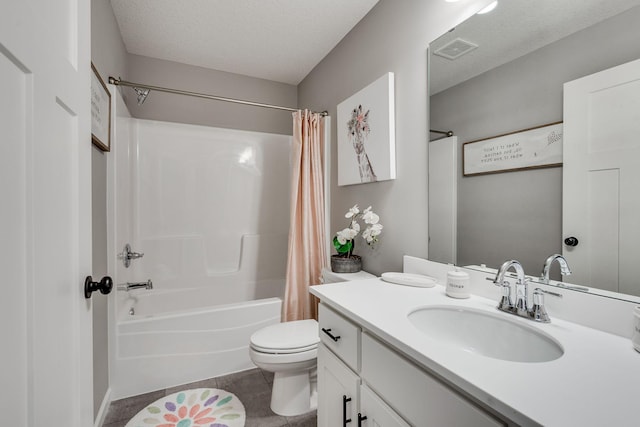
<point>225,400</point>
<point>230,416</point>
<point>342,249</point>
<point>153,409</point>
<point>336,243</point>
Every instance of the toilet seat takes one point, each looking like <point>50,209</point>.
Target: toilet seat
<point>285,361</point>
<point>283,350</point>
<point>287,338</point>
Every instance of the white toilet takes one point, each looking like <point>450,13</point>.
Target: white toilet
<point>290,350</point>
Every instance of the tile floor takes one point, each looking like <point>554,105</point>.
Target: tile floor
<point>252,387</point>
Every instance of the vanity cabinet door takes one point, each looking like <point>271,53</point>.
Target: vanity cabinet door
<point>377,412</point>
<point>421,399</point>
<point>336,383</point>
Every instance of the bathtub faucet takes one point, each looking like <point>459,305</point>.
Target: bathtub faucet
<point>135,285</point>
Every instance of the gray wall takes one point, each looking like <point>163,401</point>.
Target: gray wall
<point>109,56</point>
<point>183,109</point>
<point>108,53</point>
<point>392,37</point>
<point>519,214</point>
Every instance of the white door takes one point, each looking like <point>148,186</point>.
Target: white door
<point>601,175</point>
<point>45,239</point>
<point>337,391</point>
<point>443,199</point>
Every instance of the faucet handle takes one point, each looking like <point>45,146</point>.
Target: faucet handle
<point>538,311</point>
<point>506,304</point>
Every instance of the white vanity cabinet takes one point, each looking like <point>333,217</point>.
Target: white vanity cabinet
<point>338,382</point>
<point>338,391</point>
<point>421,399</point>
<point>363,382</point>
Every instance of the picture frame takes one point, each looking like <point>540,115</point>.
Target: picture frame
<point>100,112</point>
<point>531,148</point>
<point>366,134</point>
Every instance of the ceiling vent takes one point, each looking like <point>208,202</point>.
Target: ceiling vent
<point>455,49</point>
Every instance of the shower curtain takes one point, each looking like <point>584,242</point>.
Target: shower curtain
<point>307,238</point>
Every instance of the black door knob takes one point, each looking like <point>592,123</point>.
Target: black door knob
<point>571,241</point>
<point>104,286</point>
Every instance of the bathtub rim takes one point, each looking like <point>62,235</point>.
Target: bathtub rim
<point>127,318</point>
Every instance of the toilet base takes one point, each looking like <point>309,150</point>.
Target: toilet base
<point>294,393</point>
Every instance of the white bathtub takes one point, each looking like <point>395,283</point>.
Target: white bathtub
<point>209,208</point>
<point>180,336</point>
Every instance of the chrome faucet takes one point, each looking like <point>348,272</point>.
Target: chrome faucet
<point>564,267</point>
<point>521,308</point>
<point>135,285</point>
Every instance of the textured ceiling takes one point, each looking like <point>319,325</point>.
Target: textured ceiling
<point>279,40</point>
<point>515,28</point>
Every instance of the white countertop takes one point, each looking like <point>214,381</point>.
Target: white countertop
<point>595,383</point>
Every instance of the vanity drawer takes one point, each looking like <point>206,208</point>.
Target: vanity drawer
<point>410,391</point>
<point>339,335</point>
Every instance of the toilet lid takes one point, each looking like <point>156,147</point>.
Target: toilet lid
<point>299,335</point>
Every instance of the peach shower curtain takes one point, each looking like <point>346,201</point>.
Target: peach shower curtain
<point>307,238</point>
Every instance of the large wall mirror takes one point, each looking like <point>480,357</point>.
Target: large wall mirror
<point>513,80</point>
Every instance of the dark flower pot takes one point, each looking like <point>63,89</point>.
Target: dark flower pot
<point>346,265</point>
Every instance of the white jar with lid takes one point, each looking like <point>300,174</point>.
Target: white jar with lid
<point>458,284</point>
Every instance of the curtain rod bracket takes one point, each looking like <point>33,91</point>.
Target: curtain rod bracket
<point>442,132</point>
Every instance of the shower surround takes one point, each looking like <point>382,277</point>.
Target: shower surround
<point>209,208</point>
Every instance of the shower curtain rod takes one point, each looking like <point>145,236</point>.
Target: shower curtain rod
<point>120,82</point>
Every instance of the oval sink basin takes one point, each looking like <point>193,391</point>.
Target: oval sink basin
<point>491,335</point>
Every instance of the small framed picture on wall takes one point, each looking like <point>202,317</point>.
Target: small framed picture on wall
<point>366,134</point>
<point>100,112</point>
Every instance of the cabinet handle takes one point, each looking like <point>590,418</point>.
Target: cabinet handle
<point>328,332</point>
<point>361,419</point>
<point>345,399</point>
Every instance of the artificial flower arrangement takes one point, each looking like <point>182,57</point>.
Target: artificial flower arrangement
<point>344,240</point>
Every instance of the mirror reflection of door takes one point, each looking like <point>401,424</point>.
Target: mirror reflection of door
<point>601,175</point>
<point>443,199</point>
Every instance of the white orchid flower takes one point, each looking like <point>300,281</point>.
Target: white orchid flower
<point>351,233</point>
<point>342,236</point>
<point>370,217</point>
<point>353,211</point>
<point>370,233</point>
<point>376,229</point>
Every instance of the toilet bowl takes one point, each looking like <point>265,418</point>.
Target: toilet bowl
<point>289,350</point>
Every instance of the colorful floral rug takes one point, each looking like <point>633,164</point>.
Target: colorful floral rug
<point>201,407</point>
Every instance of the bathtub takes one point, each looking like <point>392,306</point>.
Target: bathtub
<point>173,337</point>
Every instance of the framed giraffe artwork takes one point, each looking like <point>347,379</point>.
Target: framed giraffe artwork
<point>366,134</point>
